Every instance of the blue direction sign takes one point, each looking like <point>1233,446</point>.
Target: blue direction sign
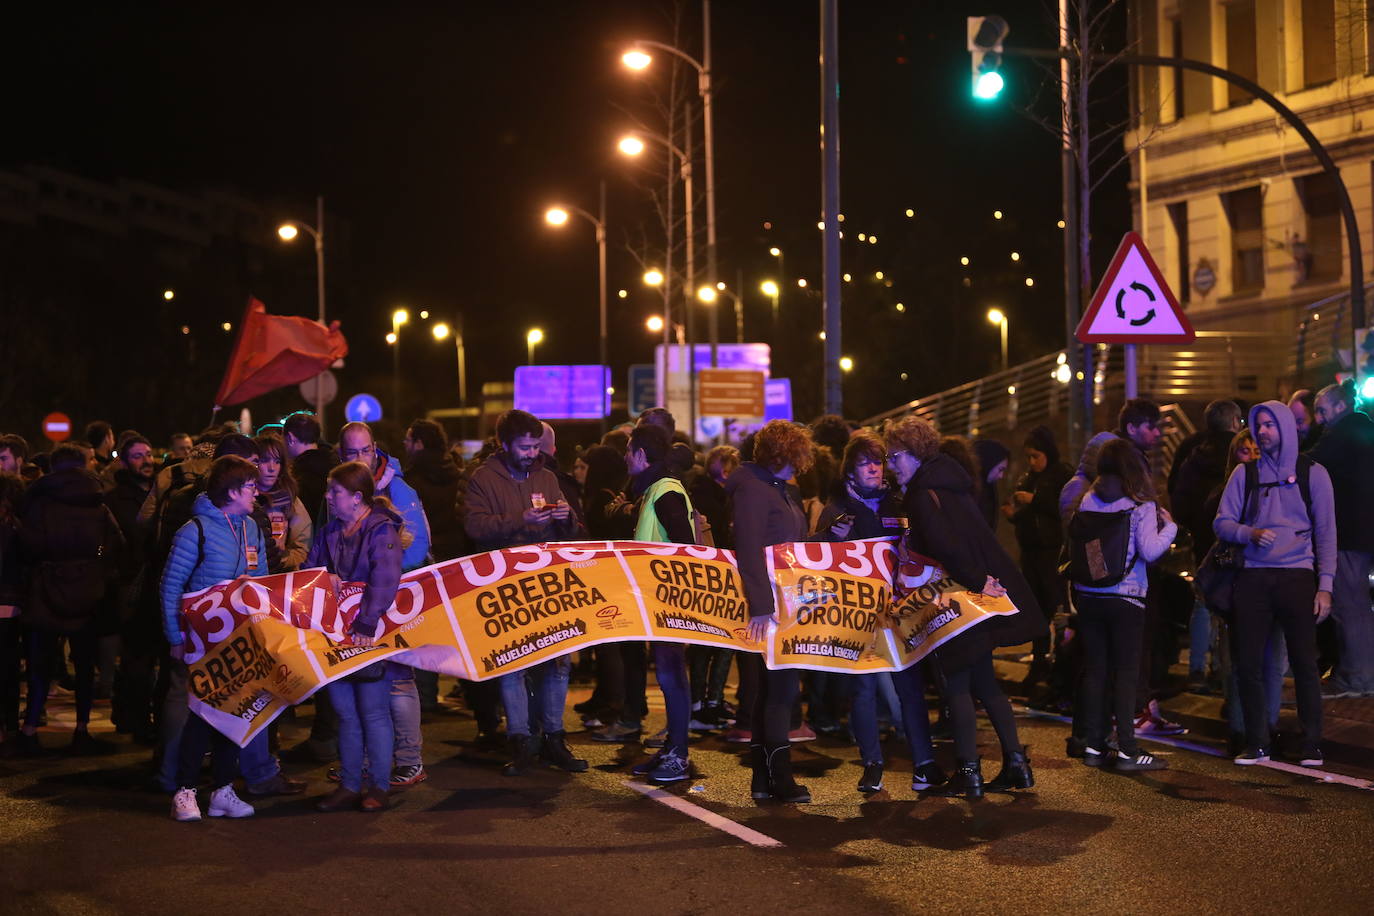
<point>363,408</point>
<point>643,388</point>
<point>777,399</point>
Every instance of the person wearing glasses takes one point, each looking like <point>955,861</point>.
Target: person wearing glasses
<point>219,543</point>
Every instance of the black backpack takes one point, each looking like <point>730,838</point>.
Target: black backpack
<point>1097,548</point>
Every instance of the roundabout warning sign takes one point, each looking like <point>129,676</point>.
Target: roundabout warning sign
<point>1133,304</point>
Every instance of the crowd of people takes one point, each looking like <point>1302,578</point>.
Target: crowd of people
<point>100,538</point>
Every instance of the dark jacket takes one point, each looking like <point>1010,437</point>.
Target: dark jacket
<point>1346,450</point>
<point>1037,523</point>
<point>124,499</point>
<point>572,490</point>
<point>496,504</point>
<point>435,479</point>
<point>311,470</point>
<point>767,511</point>
<point>709,498</point>
<point>946,526</point>
<point>990,453</point>
<point>371,555</point>
<point>72,546</point>
<point>1203,471</point>
<point>881,516</point>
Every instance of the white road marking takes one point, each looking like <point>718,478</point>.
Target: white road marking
<point>710,818</point>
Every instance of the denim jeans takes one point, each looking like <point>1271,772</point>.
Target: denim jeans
<point>405,715</point>
<point>1354,622</point>
<point>174,713</point>
<point>1199,640</point>
<point>670,664</point>
<point>915,717</point>
<point>536,693</point>
<point>256,762</point>
<point>365,729</point>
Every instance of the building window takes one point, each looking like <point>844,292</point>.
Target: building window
<point>1244,211</point>
<point>1178,216</point>
<point>1241,55</point>
<point>1318,42</point>
<point>1176,27</point>
<point>1318,256</point>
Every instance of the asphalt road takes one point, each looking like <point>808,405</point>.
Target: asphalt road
<point>82,835</point>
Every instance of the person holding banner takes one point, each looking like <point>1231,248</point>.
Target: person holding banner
<point>513,500</point>
<point>663,514</point>
<point>767,510</point>
<point>363,542</point>
<point>945,524</point>
<point>219,542</point>
<point>861,506</point>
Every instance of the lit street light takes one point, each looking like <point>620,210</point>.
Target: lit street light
<point>398,318</point>
<point>558,216</point>
<point>707,295</point>
<point>637,58</point>
<point>533,338</point>
<point>999,317</point>
<point>654,323</point>
<point>168,294</point>
<point>846,364</point>
<point>653,277</point>
<point>441,332</point>
<point>287,232</point>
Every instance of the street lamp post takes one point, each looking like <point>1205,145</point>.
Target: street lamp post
<point>442,331</point>
<point>287,232</point>
<point>558,216</point>
<point>999,317</point>
<point>533,337</point>
<point>637,59</point>
<point>398,318</point>
<point>632,145</point>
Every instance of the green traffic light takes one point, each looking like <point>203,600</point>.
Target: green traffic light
<point>988,86</point>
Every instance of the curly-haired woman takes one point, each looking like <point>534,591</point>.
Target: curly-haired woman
<point>767,510</point>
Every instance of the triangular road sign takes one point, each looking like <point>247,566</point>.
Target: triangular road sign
<point>1133,304</point>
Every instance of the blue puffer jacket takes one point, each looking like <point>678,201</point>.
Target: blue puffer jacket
<point>224,558</point>
<point>407,503</point>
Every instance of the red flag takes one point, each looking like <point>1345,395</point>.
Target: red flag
<point>276,350</point>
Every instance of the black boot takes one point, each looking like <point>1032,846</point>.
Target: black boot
<point>780,781</point>
<point>1016,773</point>
<point>556,752</point>
<point>523,755</point>
<point>967,781</point>
<point>758,785</point>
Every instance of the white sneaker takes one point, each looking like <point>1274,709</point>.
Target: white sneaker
<point>224,803</point>
<point>184,805</point>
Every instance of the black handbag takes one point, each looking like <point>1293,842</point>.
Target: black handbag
<point>1216,577</point>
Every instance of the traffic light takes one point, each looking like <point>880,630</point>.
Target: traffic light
<point>985,36</point>
<point>1364,366</point>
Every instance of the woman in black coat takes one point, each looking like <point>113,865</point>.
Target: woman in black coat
<point>946,526</point>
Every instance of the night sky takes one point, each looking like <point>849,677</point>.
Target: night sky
<point>440,132</point>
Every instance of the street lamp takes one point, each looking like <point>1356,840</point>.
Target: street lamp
<point>654,324</point>
<point>398,318</point>
<point>637,58</point>
<point>999,317</point>
<point>558,216</point>
<point>287,232</point>
<point>653,277</point>
<point>846,364</point>
<point>442,332</point>
<point>533,338</point>
<point>169,294</point>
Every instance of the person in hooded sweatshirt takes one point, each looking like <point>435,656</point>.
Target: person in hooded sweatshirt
<point>993,460</point>
<point>863,506</point>
<point>1290,565</point>
<point>945,525</point>
<point>1111,618</point>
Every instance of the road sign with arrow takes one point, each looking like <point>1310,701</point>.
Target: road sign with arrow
<point>1133,304</point>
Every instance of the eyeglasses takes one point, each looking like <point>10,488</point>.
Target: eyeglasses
<point>893,456</point>
<point>357,452</point>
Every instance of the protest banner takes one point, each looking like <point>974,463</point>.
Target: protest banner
<point>258,645</point>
